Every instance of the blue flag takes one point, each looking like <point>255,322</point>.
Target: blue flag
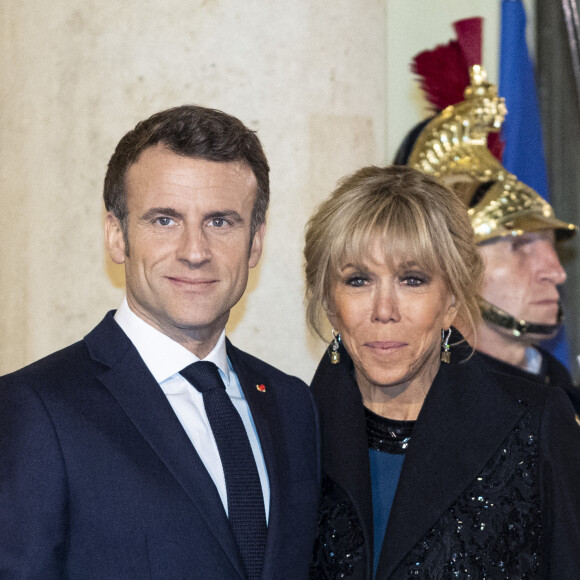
<point>522,129</point>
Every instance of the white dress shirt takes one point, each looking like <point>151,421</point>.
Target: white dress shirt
<point>165,358</point>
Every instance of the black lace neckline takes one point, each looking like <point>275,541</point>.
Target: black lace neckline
<point>388,435</point>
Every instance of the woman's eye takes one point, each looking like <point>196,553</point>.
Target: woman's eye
<point>414,280</point>
<point>356,281</point>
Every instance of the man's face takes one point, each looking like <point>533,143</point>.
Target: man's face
<point>522,274</point>
<point>188,230</point>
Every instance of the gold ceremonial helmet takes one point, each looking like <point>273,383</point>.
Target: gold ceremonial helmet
<point>453,147</point>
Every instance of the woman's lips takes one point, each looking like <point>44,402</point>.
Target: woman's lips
<point>385,345</point>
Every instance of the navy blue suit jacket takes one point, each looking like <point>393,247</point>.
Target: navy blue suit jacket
<point>99,480</point>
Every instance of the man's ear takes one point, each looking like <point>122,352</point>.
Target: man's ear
<point>114,239</point>
<point>257,245</point>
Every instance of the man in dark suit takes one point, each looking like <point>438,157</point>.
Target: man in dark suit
<point>119,457</point>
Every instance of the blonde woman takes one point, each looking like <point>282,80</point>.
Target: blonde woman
<point>435,466</point>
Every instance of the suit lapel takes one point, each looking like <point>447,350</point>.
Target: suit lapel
<point>450,446</point>
<point>345,453</point>
<point>141,398</point>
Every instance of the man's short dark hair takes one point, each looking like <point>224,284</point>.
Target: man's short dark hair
<point>191,131</point>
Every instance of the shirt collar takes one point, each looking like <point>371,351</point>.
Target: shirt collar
<point>163,356</point>
<point>533,360</point>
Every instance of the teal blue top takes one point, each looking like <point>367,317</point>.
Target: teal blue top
<point>385,472</point>
<point>388,441</point>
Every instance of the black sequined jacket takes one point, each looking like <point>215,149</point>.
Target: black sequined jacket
<point>490,484</point>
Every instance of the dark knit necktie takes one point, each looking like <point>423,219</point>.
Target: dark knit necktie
<point>245,500</point>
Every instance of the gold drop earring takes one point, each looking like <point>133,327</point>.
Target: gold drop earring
<point>445,352</point>
<point>334,346</point>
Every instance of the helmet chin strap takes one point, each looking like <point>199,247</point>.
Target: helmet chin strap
<point>501,318</point>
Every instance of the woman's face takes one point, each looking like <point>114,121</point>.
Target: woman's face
<point>390,313</point>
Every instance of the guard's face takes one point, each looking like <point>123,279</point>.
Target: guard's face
<point>522,274</point>
<point>189,243</point>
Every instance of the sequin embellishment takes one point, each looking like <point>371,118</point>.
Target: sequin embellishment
<point>340,542</point>
<point>494,529</point>
<point>388,435</point>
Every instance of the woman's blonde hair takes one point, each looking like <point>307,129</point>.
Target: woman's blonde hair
<point>412,215</point>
